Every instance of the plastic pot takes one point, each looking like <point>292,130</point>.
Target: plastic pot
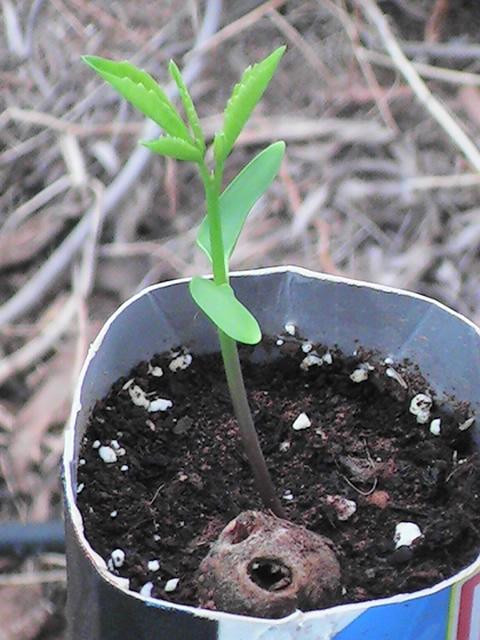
<point>330,310</point>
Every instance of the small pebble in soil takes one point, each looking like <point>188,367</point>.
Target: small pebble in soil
<point>360,374</point>
<point>406,533</point>
<point>302,422</point>
<point>113,514</point>
<point>284,446</point>
<point>379,499</point>
<point>146,590</point>
<point>153,565</point>
<point>307,347</point>
<point>287,495</point>
<point>435,427</point>
<point>156,372</point>
<point>181,362</point>
<point>420,406</point>
<point>128,384</point>
<point>290,328</point>
<point>160,404</point>
<point>96,444</point>
<point>344,507</point>
<point>156,537</point>
<point>121,452</point>
<point>171,585</point>
<point>467,424</point>
<point>81,462</point>
<point>124,468</point>
<point>80,487</point>
<point>114,444</point>
<point>182,425</point>
<point>391,373</point>
<point>118,558</point>
<point>280,342</point>
<point>107,454</point>
<point>388,360</point>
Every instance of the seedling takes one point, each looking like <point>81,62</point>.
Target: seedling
<point>227,210</point>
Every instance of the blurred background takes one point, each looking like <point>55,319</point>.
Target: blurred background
<point>381,182</point>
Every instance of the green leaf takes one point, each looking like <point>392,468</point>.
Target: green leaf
<point>219,303</point>
<point>245,96</point>
<point>241,194</point>
<point>141,90</point>
<point>174,148</point>
<point>188,105</point>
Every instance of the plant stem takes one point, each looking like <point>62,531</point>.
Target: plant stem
<point>212,195</point>
<point>236,385</point>
<point>212,183</point>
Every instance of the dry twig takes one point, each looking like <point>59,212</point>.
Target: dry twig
<point>40,284</point>
<point>432,72</point>
<point>431,103</point>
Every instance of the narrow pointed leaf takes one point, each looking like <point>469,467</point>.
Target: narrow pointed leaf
<point>141,90</point>
<point>241,194</point>
<point>219,303</point>
<point>246,95</point>
<point>174,148</point>
<point>188,105</point>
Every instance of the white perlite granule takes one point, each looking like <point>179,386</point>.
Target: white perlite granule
<point>107,454</point>
<point>290,328</point>
<point>160,404</point>
<point>146,590</point>
<point>420,407</point>
<point>118,558</point>
<point>312,360</point>
<point>182,361</point>
<point>361,372</point>
<point>171,585</point>
<point>153,565</point>
<point>156,372</point>
<point>406,533</point>
<point>435,427</point>
<point>138,396</point>
<point>392,373</point>
<point>302,422</point>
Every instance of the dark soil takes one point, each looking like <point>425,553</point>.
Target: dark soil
<point>187,475</point>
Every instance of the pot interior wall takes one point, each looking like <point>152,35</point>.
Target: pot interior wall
<point>325,310</point>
